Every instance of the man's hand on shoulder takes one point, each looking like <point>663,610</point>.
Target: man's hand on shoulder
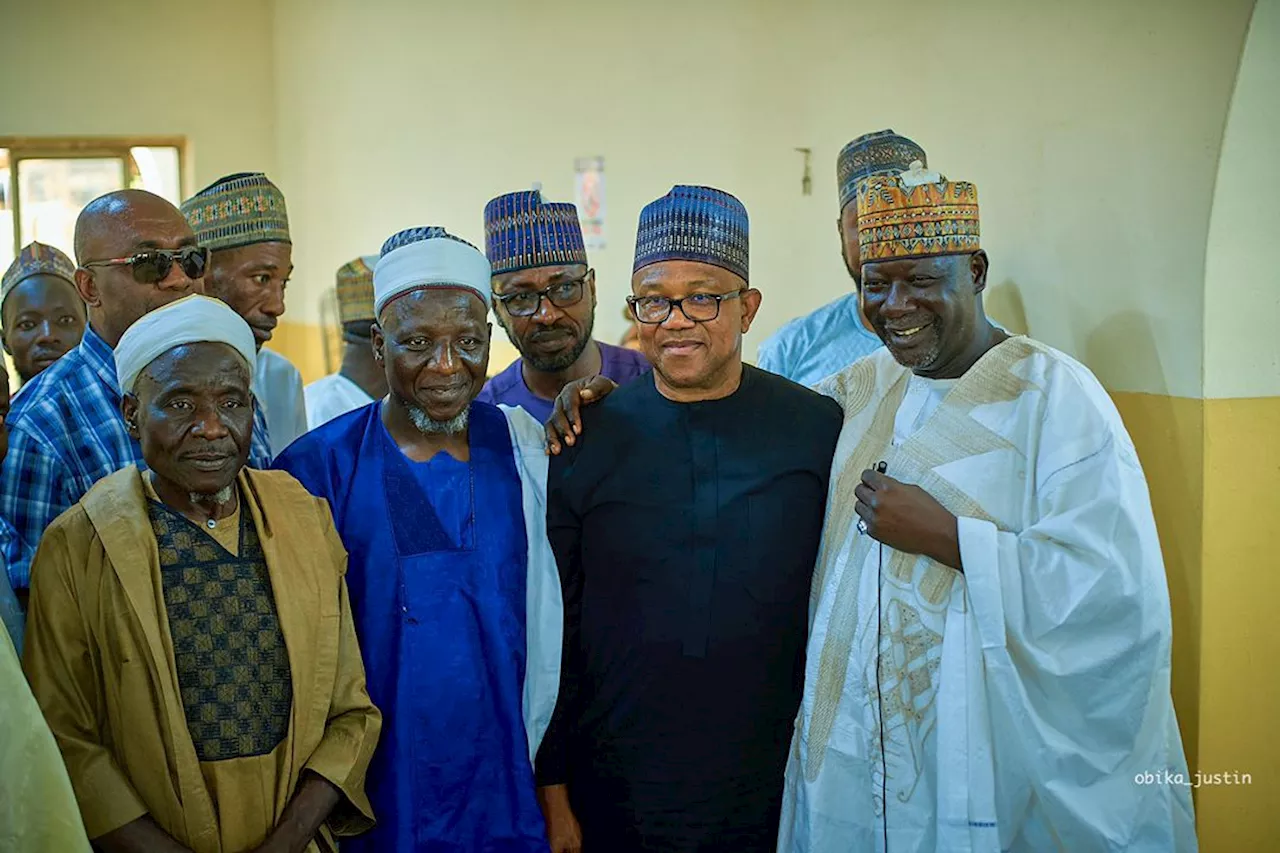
<point>565,423</point>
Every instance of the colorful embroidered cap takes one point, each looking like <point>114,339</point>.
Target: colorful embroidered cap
<point>916,214</point>
<point>36,259</point>
<point>354,286</point>
<point>881,153</point>
<point>694,224</point>
<point>521,231</point>
<point>238,210</point>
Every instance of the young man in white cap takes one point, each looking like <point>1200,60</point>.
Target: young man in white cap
<point>190,639</point>
<point>439,500</point>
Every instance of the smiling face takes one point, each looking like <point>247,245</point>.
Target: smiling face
<point>693,360</point>
<point>192,412</point>
<point>252,280</point>
<point>43,319</point>
<point>434,344</point>
<point>927,310</point>
<point>555,337</point>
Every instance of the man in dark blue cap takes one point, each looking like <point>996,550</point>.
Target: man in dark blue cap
<point>685,531</point>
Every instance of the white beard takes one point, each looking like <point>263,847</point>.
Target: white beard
<point>219,497</point>
<point>427,426</point>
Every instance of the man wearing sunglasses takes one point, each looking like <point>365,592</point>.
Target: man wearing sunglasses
<point>136,253</point>
<point>685,531</point>
<point>545,299</point>
<point>241,219</point>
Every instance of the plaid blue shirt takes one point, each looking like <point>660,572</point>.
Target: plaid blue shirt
<point>66,433</point>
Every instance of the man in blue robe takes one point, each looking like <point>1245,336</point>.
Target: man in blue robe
<point>440,501</point>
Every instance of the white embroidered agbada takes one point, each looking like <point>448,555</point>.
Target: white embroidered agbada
<point>1022,697</point>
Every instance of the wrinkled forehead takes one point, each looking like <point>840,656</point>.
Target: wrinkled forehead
<point>272,256</point>
<point>901,268</point>
<point>434,309</point>
<point>676,278</point>
<point>202,364</point>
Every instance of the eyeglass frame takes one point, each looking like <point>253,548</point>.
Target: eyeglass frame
<point>174,256</point>
<point>545,293</point>
<point>673,304</point>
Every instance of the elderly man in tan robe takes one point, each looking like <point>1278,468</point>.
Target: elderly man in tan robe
<point>190,638</point>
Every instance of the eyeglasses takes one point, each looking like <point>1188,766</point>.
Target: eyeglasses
<point>698,307</point>
<point>153,265</point>
<point>526,303</point>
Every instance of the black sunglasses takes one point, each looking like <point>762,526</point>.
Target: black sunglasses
<point>153,265</point>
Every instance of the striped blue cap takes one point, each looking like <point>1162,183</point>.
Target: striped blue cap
<point>521,231</point>
<point>881,153</point>
<point>694,224</point>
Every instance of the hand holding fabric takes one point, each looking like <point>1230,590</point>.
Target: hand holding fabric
<point>565,422</point>
<point>907,518</point>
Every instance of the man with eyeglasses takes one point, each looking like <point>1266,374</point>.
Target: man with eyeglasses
<point>545,300</point>
<point>685,531</point>
<point>241,219</point>
<point>135,253</point>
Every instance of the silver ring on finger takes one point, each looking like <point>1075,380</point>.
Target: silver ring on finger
<point>862,526</point>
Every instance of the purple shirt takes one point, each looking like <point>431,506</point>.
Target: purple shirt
<point>619,364</point>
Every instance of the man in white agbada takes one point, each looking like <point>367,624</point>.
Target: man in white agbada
<point>989,655</point>
<point>440,500</point>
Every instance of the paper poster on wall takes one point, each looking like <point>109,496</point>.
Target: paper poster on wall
<point>589,197</point>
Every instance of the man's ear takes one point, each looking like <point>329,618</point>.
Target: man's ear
<point>751,299</point>
<point>978,270</point>
<point>129,408</point>
<point>87,285</point>
<point>379,343</point>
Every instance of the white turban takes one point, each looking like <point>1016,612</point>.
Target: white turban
<point>428,257</point>
<point>191,320</point>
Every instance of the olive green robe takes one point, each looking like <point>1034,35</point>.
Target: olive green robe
<point>100,659</point>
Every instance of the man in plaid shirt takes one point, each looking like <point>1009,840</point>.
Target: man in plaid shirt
<point>135,253</point>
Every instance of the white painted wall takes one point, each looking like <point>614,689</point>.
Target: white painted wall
<point>1091,128</point>
<point>1242,278</point>
<point>144,67</point>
